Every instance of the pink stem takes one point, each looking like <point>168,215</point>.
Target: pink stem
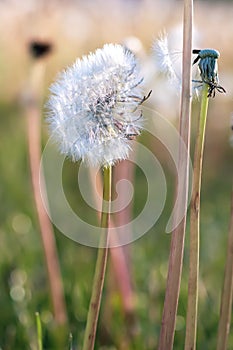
<point>32,112</point>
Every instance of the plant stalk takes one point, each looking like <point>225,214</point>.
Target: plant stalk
<point>227,292</point>
<point>39,331</point>
<point>33,120</point>
<point>119,257</point>
<point>98,282</point>
<point>191,319</point>
<point>177,240</point>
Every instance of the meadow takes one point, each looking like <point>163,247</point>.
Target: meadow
<point>74,28</point>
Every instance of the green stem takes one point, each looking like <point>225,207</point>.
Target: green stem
<point>191,322</point>
<point>39,331</point>
<point>94,306</point>
<point>226,303</point>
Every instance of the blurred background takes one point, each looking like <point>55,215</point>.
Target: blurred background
<point>74,28</point>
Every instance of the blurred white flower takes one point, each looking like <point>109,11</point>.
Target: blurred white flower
<point>167,51</point>
<point>94,107</point>
<point>165,59</point>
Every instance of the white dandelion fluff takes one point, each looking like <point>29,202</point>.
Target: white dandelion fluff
<point>165,58</point>
<point>94,107</point>
<point>167,52</point>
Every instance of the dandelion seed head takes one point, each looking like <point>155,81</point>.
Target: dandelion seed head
<point>94,107</point>
<point>164,59</point>
<point>167,50</point>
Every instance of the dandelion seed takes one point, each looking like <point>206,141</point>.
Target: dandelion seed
<point>94,107</point>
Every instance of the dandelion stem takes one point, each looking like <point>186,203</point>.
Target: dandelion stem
<point>98,282</point>
<point>178,234</point>
<point>191,322</point>
<point>33,120</point>
<point>119,254</point>
<point>227,292</point>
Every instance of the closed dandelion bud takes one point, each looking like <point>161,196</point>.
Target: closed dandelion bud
<point>94,107</point>
<point>207,63</point>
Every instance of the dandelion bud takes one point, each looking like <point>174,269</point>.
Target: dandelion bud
<point>207,63</point>
<point>94,107</point>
